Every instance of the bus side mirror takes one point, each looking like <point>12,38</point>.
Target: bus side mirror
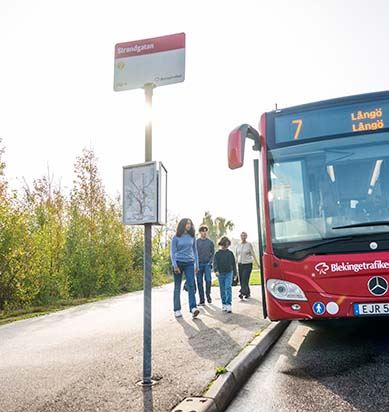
<point>236,144</point>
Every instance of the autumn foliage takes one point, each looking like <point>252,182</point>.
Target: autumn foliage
<point>56,245</point>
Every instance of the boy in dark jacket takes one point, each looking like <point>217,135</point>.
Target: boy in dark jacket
<point>225,269</point>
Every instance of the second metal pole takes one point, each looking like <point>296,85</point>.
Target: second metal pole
<point>147,276</point>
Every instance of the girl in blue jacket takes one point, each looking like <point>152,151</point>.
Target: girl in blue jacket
<point>184,260</point>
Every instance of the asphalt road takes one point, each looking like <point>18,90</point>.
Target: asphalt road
<point>89,358</point>
<point>340,365</point>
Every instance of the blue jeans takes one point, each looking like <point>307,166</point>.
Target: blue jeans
<point>204,272</point>
<point>188,269</point>
<point>225,284</point>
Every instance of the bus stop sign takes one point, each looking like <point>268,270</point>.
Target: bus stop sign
<point>159,61</point>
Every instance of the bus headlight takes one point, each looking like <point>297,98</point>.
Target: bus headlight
<point>283,290</point>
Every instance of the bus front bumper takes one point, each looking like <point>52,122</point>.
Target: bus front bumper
<point>324,306</point>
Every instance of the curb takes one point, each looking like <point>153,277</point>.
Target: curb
<point>224,388</point>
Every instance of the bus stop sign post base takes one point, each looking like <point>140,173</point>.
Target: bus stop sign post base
<point>147,385</point>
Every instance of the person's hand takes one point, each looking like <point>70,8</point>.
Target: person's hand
<point>177,269</point>
<point>217,273</point>
<point>196,269</point>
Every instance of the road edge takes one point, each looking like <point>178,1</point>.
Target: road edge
<point>226,385</point>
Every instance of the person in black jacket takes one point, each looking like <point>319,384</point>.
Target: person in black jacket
<point>225,268</point>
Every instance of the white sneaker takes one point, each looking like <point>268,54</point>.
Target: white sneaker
<point>228,308</point>
<point>178,314</point>
<point>195,312</point>
<point>224,308</point>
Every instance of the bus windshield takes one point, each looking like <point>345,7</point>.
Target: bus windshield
<point>317,187</point>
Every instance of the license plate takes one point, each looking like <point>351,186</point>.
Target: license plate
<point>371,309</point>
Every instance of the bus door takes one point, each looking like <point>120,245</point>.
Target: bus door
<point>259,206</point>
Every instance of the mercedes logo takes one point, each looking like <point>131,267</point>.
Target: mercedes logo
<point>378,286</point>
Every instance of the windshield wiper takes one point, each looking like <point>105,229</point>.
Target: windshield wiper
<point>325,242</point>
<point>376,223</point>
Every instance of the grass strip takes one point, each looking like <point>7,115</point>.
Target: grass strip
<point>32,312</point>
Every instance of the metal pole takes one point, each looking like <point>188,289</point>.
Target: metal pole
<point>148,137</point>
<point>147,277</point>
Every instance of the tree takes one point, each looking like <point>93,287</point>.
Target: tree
<point>46,206</point>
<point>100,252</point>
<point>16,285</point>
<point>53,246</point>
<point>82,246</point>
<point>3,182</point>
<point>217,227</point>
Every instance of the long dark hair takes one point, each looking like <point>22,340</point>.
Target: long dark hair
<point>181,227</point>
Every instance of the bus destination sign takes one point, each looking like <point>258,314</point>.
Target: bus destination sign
<point>336,120</point>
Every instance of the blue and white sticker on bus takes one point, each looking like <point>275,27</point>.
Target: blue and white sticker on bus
<point>318,308</point>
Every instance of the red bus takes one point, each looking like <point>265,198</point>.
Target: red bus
<point>322,186</point>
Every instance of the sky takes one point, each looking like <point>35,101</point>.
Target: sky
<point>242,58</point>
